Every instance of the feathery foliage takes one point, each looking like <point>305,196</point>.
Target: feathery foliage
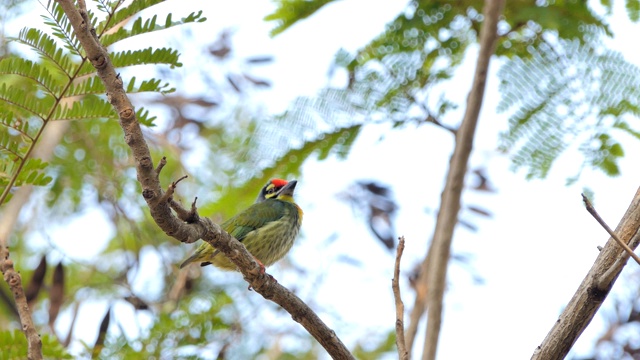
<point>63,84</point>
<point>591,104</point>
<point>560,84</point>
<point>14,346</point>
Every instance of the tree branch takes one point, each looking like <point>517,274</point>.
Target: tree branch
<point>403,354</point>
<point>12,278</point>
<point>203,228</point>
<point>450,204</point>
<point>594,288</point>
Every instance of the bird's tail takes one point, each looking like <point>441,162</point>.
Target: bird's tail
<point>191,259</point>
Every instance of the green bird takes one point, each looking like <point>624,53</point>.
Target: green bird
<point>267,228</point>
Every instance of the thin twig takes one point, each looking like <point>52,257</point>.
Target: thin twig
<point>615,237</point>
<point>395,285</point>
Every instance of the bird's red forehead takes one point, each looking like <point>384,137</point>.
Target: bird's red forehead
<point>279,182</point>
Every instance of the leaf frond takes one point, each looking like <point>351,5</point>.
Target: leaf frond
<point>122,14</point>
<point>35,72</point>
<point>145,57</point>
<point>149,25</point>
<point>566,94</point>
<point>25,103</point>
<point>89,107</point>
<point>47,48</point>
<point>151,85</point>
<point>62,29</point>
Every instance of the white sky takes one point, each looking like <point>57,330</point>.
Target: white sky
<point>532,254</point>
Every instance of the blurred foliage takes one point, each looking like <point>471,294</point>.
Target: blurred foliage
<point>14,346</point>
<point>596,100</point>
<point>290,12</point>
<point>556,69</point>
<point>385,347</point>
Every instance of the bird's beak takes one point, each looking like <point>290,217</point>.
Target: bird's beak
<point>288,189</point>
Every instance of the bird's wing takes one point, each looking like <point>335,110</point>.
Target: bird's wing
<point>254,217</point>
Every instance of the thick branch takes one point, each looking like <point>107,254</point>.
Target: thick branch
<point>594,288</point>
<point>450,206</point>
<point>160,210</point>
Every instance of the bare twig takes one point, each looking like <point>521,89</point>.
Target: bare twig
<point>593,290</point>
<point>448,214</point>
<point>160,211</point>
<point>615,237</point>
<point>403,354</point>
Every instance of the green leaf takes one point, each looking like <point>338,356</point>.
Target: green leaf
<point>151,85</point>
<point>143,117</point>
<point>633,9</point>
<point>141,26</point>
<point>14,346</point>
<point>89,85</point>
<point>564,94</point>
<point>145,57</point>
<point>35,72</point>
<point>62,29</point>
<point>89,107</point>
<point>25,104</point>
<point>123,14</point>
<point>290,12</point>
<point>48,49</point>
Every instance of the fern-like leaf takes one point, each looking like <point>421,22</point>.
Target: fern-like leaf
<point>121,14</point>
<point>567,94</point>
<point>14,346</point>
<point>47,48</point>
<point>141,26</point>
<point>25,103</point>
<point>61,28</point>
<point>145,57</point>
<point>151,85</point>
<point>33,71</point>
<point>89,107</point>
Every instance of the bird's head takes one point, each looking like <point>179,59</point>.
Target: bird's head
<point>286,192</point>
<point>271,189</point>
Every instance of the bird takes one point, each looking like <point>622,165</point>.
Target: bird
<point>268,228</point>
